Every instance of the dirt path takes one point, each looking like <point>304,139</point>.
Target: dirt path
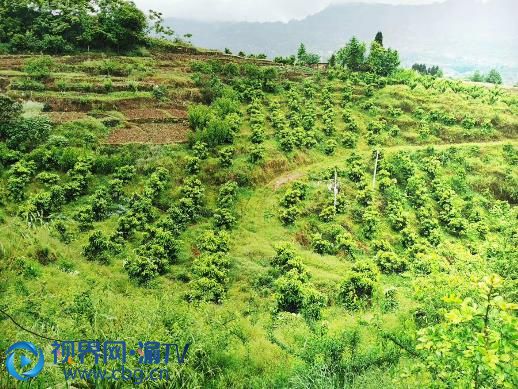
<point>300,171</point>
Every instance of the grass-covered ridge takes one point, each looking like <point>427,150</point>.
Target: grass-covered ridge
<point>190,197</point>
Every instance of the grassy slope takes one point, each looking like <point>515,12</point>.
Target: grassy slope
<point>232,337</point>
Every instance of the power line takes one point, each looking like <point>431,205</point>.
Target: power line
<point>26,329</point>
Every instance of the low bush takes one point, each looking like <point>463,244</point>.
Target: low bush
<point>141,269</point>
<point>389,262</point>
<point>39,68</point>
<point>99,248</point>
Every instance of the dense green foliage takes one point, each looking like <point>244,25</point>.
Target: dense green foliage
<point>348,227</point>
<point>430,70</point>
<point>61,26</point>
<point>380,60</point>
<point>493,77</point>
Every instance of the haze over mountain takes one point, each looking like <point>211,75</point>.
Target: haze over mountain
<point>459,35</point>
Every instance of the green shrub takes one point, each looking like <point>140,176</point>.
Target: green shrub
<point>108,85</point>
<point>211,272</point>
<point>345,243</point>
<point>27,133</point>
<point>126,227</point>
<point>286,260</point>
<point>125,173</point>
<point>356,290</point>
<point>289,215</point>
<point>370,221</point>
<point>85,218</point>
<point>214,266</point>
<point>206,289</point>
<point>330,147</point>
<point>294,295</point>
<point>256,153</point>
<point>223,218</point>
<point>10,110</point>
<point>321,245</point>
<point>258,135</point>
<point>290,292</point>
<point>327,214</point>
<point>389,262</point>
<point>99,248</point>
<point>200,150</point>
<point>39,67</point>
<point>225,156</point>
<point>115,189</point>
<point>472,344</point>
<point>295,194</point>
<point>45,255</point>
<point>358,287</point>
<point>27,84</point>
<point>227,194</point>
<point>224,106</point>
<point>215,242</point>
<point>199,116</point>
<point>192,165</point>
<point>390,301</point>
<point>63,231</point>
<point>349,139</point>
<point>160,92</point>
<point>100,204</point>
<point>48,178</point>
<point>141,269</point>
<point>20,175</point>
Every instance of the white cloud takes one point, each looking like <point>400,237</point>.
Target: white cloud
<point>250,10</point>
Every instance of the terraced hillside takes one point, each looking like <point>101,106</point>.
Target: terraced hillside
<point>300,228</point>
<point>149,95</point>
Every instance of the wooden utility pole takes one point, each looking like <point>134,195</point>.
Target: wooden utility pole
<point>375,170</point>
<point>335,190</point>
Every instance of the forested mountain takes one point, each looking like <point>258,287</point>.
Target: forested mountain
<point>458,35</point>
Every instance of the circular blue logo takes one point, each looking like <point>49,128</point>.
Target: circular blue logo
<point>25,360</point>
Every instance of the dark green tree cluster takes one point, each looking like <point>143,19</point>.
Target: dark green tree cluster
<point>434,70</point>
<point>60,26</point>
<point>306,58</point>
<point>380,60</point>
<point>492,77</point>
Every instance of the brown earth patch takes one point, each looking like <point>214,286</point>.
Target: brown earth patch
<point>285,179</point>
<point>150,133</point>
<point>8,62</point>
<point>62,117</point>
<point>146,115</point>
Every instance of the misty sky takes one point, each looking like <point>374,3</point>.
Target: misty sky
<point>251,10</point>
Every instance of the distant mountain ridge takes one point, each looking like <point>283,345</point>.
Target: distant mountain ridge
<point>458,35</point>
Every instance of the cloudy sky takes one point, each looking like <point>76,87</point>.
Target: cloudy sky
<point>250,10</point>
